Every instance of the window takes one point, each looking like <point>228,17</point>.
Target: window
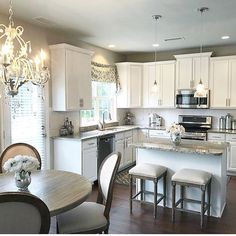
<point>103,102</point>
<point>27,119</point>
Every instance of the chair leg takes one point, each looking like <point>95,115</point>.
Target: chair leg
<point>209,199</point>
<point>142,189</point>
<point>164,189</point>
<point>182,196</point>
<point>155,198</point>
<point>173,201</point>
<point>131,193</point>
<point>202,205</point>
<point>106,231</point>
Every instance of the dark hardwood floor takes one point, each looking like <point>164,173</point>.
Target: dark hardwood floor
<point>142,222</point>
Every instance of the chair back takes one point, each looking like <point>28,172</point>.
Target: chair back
<point>106,180</point>
<point>18,149</point>
<point>23,213</point>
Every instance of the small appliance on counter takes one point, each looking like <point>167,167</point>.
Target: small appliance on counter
<point>154,120</point>
<point>129,118</point>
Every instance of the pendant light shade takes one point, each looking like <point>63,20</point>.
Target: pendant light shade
<point>155,45</point>
<point>200,89</point>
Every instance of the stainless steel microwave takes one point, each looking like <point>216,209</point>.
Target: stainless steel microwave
<point>185,99</point>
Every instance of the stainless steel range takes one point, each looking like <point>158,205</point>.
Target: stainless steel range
<point>195,126</point>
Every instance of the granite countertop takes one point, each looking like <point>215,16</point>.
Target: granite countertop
<point>224,131</point>
<point>98,133</point>
<point>186,146</point>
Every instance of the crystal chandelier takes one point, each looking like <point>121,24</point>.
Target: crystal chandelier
<point>16,68</point>
<point>200,89</point>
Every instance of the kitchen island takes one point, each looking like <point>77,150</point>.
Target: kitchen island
<point>202,155</point>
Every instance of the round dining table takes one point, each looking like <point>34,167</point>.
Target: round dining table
<point>60,190</point>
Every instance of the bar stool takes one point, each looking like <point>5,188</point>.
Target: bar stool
<point>146,171</point>
<point>191,178</point>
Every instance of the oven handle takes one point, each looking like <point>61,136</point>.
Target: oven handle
<point>195,138</point>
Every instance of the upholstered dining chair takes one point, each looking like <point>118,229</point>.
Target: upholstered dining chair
<point>18,149</point>
<point>23,213</point>
<point>93,217</point>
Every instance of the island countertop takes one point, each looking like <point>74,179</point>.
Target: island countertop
<point>186,146</point>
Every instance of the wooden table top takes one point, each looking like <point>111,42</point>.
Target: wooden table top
<point>60,190</point>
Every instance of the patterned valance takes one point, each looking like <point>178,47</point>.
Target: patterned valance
<point>104,73</point>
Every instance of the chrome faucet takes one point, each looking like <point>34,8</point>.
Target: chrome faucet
<point>102,124</point>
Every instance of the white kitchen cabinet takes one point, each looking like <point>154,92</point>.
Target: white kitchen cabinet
<point>231,155</point>
<point>130,75</point>
<point>143,135</point>
<point>71,78</point>
<point>76,156</point>
<point>164,74</point>
<point>89,159</point>
<point>153,133</point>
<point>223,82</point>
<point>122,141</point>
<point>67,155</point>
<point>231,150</point>
<point>188,70</point>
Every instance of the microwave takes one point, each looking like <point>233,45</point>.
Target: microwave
<point>185,99</point>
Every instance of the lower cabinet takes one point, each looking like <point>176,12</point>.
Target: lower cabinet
<point>76,156</point>
<point>89,159</point>
<point>122,141</point>
<point>231,151</point>
<point>231,155</point>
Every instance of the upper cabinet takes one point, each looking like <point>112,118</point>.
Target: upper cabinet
<point>188,70</point>
<point>164,74</point>
<point>71,78</point>
<point>130,75</point>
<point>223,82</point>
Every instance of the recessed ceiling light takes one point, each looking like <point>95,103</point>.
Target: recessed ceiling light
<point>111,45</point>
<point>155,45</point>
<point>225,37</point>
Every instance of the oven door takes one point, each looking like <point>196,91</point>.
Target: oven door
<point>194,136</point>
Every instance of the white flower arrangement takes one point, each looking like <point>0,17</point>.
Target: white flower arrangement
<point>21,163</point>
<point>176,129</point>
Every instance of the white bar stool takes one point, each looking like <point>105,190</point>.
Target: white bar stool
<point>191,178</point>
<point>147,171</point>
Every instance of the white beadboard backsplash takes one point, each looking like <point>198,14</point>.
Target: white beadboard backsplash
<point>171,115</point>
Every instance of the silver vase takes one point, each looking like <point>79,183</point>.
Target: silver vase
<point>22,180</point>
<point>176,139</point>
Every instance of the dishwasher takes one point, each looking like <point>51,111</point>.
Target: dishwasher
<point>105,147</point>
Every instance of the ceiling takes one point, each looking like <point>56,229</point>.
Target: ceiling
<point>128,24</point>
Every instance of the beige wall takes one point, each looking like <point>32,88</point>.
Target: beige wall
<point>168,55</point>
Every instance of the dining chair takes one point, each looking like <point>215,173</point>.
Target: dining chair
<point>18,149</point>
<point>93,217</point>
<point>23,213</point>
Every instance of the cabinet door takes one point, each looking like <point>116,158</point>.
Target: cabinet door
<point>128,151</point>
<point>184,73</point>
<point>67,155</point>
<point>232,83</point>
<point>122,96</point>
<point>135,86</point>
<point>219,83</point>
<point>204,71</point>
<point>72,80</point>
<point>151,73</point>
<point>232,157</point>
<point>90,163</point>
<point>119,147</point>
<point>167,85</point>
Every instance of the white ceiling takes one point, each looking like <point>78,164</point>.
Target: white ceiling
<point>128,23</point>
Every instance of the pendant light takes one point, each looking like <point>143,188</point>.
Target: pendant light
<point>155,45</point>
<point>200,89</point>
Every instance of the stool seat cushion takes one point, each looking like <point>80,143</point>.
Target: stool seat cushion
<point>148,170</point>
<point>191,176</point>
